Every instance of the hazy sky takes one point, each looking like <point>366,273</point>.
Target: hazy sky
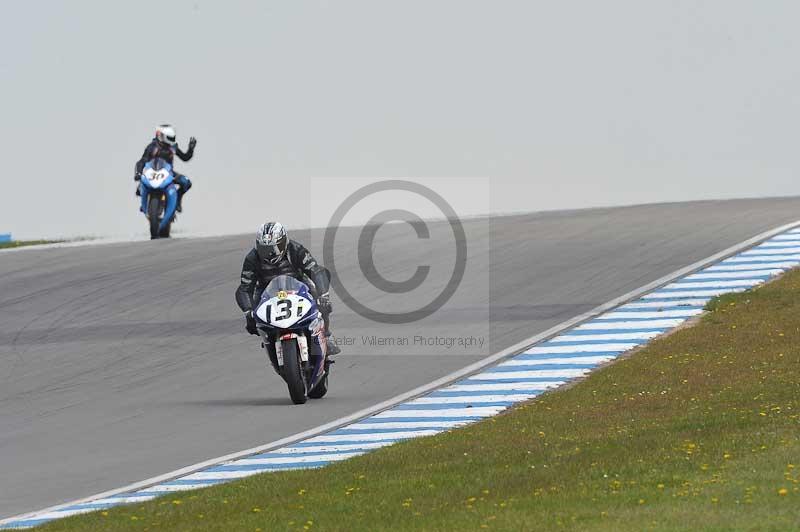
<point>559,104</point>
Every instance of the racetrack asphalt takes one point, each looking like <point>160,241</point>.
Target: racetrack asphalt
<point>119,362</point>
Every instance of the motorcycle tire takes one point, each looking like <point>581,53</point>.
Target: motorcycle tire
<point>292,372</point>
<point>153,213</point>
<point>319,391</point>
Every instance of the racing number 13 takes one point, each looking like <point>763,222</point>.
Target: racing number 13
<point>284,306</point>
<point>283,310</point>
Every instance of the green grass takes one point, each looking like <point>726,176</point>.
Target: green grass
<point>21,243</point>
<point>699,431</point>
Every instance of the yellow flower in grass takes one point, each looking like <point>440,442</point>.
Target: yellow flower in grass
<point>783,491</point>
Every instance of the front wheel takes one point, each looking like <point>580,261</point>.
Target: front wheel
<point>153,213</point>
<point>292,373</point>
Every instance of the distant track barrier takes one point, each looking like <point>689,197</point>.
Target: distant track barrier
<point>5,237</point>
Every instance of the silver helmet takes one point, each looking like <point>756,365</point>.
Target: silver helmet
<point>165,133</point>
<point>271,242</point>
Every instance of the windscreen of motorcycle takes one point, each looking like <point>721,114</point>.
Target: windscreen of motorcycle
<point>284,310</point>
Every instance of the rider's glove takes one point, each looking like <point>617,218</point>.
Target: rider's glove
<point>250,322</point>
<point>137,176</point>
<point>324,304</point>
<point>192,143</point>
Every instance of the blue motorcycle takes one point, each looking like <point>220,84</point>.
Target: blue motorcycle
<point>293,333</point>
<point>159,192</point>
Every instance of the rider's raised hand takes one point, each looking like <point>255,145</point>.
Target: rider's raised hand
<point>192,143</point>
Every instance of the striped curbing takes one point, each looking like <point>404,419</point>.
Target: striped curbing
<point>550,362</point>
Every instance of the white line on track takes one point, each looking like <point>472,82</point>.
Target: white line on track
<point>375,436</point>
<point>667,304</point>
<point>59,514</point>
<point>327,448</point>
<point>170,488</point>
<point>603,337</point>
<point>479,411</point>
<point>297,459</point>
<point>779,244</point>
<point>471,399</point>
<point>124,500</point>
<point>760,257</point>
<point>230,475</point>
<point>743,274</point>
<point>418,424</point>
<point>728,267</point>
<point>584,348</point>
<point>503,386</point>
<point>680,313</point>
<point>640,324</point>
<point>713,284</point>
<point>661,294</point>
<point>535,374</point>
<point>770,251</point>
<point>790,236</point>
<point>571,360</point>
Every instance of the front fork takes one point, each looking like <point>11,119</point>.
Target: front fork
<point>171,203</point>
<point>171,196</point>
<point>304,349</point>
<point>302,343</point>
<point>144,195</point>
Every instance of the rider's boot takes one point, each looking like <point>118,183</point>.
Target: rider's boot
<point>186,184</point>
<point>332,349</point>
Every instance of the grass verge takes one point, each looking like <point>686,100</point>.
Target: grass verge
<point>700,430</point>
<point>21,243</point>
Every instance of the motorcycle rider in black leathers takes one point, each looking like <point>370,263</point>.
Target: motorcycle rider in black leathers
<point>165,146</point>
<point>275,254</point>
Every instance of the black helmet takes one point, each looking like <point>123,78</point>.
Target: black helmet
<point>271,242</point>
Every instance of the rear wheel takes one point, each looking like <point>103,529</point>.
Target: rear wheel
<point>319,391</point>
<point>292,373</point>
<point>153,213</point>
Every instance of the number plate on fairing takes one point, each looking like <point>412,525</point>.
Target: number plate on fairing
<point>155,178</point>
<point>284,312</point>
